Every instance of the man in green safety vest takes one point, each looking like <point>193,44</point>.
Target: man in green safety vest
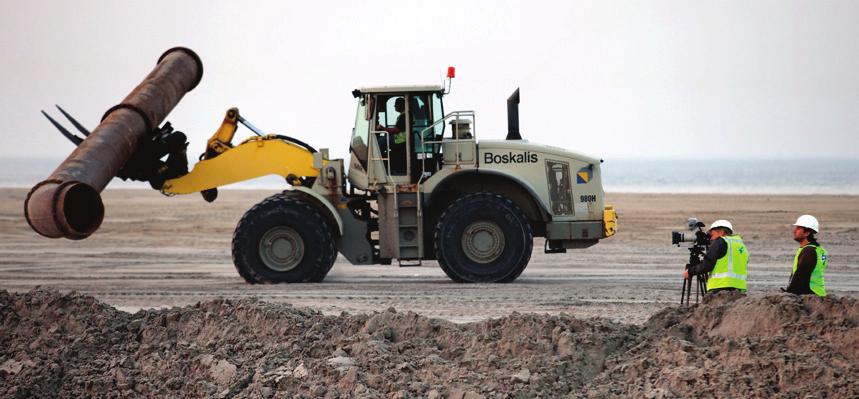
<point>726,260</point>
<point>397,151</point>
<point>810,260</point>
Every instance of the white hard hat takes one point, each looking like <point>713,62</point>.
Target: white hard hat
<point>809,222</point>
<point>722,223</point>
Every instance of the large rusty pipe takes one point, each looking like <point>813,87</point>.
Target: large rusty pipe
<point>68,203</point>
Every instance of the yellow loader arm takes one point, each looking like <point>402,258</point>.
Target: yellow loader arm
<point>258,156</point>
<point>221,141</point>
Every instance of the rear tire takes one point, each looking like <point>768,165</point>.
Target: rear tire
<point>483,238</point>
<point>283,240</point>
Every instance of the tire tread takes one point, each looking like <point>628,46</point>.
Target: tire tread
<point>327,255</point>
<point>482,197</point>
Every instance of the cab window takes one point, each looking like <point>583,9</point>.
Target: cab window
<point>421,113</point>
<point>388,115</point>
<point>393,142</point>
<point>437,114</point>
<point>360,131</point>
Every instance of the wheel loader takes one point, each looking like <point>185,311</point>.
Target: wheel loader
<point>418,185</point>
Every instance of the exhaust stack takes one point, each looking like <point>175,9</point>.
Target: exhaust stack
<point>68,203</point>
<point>513,116</point>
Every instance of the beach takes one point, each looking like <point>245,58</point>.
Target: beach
<point>154,251</point>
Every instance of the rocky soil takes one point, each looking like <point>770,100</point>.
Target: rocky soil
<point>71,345</point>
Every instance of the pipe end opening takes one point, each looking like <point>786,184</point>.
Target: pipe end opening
<point>80,210</point>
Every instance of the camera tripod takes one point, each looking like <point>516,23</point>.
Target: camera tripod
<point>700,289</point>
<point>700,241</point>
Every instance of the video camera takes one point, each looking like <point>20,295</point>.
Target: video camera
<point>698,237</point>
<point>700,240</point>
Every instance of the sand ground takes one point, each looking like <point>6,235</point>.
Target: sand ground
<point>154,251</point>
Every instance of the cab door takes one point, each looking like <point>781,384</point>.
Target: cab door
<point>425,110</point>
<point>359,149</point>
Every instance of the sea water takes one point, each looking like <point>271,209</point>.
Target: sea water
<point>732,176</point>
<point>735,176</point>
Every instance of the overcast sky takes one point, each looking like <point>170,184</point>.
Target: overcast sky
<point>773,79</point>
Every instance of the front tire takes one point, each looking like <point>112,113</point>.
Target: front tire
<point>483,238</point>
<point>283,240</point>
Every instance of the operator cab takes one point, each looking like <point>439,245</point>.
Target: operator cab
<point>397,135</point>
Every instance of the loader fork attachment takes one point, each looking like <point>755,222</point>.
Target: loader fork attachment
<point>148,163</point>
<point>72,137</point>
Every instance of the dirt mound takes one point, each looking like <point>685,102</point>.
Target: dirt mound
<point>743,346</point>
<point>72,344</point>
<point>54,344</point>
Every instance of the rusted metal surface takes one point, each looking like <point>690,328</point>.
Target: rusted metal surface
<point>68,204</point>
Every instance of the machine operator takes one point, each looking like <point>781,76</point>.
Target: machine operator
<point>397,133</point>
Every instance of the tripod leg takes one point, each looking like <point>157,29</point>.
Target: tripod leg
<point>683,291</point>
<point>697,287</point>
<point>689,291</point>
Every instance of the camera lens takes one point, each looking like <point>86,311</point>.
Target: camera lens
<point>676,237</point>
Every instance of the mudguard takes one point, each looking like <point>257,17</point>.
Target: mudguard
<point>325,202</point>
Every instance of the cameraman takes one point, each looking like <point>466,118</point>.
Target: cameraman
<point>726,260</point>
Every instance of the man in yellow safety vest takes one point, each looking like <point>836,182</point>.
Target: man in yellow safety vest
<point>397,152</point>
<point>810,261</point>
<point>726,260</point>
